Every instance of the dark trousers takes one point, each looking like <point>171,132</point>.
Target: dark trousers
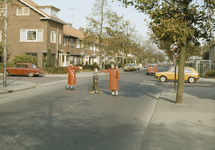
<point>96,85</point>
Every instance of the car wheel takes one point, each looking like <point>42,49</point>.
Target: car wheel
<point>162,78</point>
<point>30,74</point>
<point>7,73</point>
<point>147,74</point>
<point>191,80</point>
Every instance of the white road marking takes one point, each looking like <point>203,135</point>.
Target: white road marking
<point>147,83</point>
<point>45,84</point>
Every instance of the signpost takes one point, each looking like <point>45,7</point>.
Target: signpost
<point>174,48</point>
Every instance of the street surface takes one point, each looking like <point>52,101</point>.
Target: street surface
<point>49,117</point>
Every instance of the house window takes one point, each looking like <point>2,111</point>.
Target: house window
<point>23,11</point>
<point>60,38</point>
<point>31,35</point>
<point>91,47</point>
<point>32,54</point>
<point>77,43</point>
<point>64,41</point>
<point>72,42</point>
<point>53,37</point>
<point>67,41</point>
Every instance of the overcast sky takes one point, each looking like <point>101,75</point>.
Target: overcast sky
<point>81,8</point>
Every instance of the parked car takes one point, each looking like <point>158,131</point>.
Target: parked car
<point>24,69</point>
<point>190,75</point>
<point>151,69</point>
<point>137,66</point>
<point>129,67</point>
<point>166,65</point>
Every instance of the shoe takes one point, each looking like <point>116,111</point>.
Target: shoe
<point>96,92</point>
<point>112,93</point>
<point>67,88</point>
<point>100,92</point>
<point>72,88</point>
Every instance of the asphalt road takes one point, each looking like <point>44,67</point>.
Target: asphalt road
<point>49,117</point>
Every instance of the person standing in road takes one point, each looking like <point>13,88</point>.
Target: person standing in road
<point>71,75</point>
<point>95,79</point>
<point>114,78</point>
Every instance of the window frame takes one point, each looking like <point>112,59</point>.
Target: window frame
<point>23,10</point>
<point>26,35</point>
<point>72,44</point>
<point>53,33</point>
<point>64,40</point>
<point>60,38</point>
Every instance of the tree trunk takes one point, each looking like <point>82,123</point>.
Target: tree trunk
<point>180,89</point>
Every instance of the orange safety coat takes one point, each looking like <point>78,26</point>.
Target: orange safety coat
<point>71,74</point>
<point>114,77</point>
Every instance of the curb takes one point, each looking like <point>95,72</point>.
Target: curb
<point>14,89</point>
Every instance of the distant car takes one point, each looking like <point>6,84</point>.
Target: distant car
<point>24,69</point>
<point>137,66</point>
<point>166,65</point>
<point>190,75</point>
<point>130,67</point>
<point>151,69</point>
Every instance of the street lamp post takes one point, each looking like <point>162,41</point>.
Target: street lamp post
<point>5,48</point>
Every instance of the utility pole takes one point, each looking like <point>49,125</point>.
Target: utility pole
<point>5,48</point>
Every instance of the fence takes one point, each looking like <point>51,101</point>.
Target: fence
<point>201,66</point>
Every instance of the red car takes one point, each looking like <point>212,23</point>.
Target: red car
<point>151,69</point>
<point>24,69</point>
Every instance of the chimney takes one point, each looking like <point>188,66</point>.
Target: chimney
<point>69,24</point>
<point>81,29</point>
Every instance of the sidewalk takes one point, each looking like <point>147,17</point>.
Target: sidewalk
<point>189,126</point>
<point>14,86</point>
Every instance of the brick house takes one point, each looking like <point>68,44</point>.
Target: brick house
<point>32,29</point>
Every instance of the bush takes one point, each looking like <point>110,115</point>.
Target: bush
<point>25,59</point>
<point>210,73</point>
<point>8,65</point>
<point>91,67</point>
<point>49,61</point>
<point>55,70</point>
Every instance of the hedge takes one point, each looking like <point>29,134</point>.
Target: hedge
<point>210,73</point>
<point>8,65</point>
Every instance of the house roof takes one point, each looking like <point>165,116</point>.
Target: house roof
<point>49,6</point>
<point>35,7</point>
<point>73,32</point>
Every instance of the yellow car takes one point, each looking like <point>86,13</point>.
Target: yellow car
<point>190,75</point>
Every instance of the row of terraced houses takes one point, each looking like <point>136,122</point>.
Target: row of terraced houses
<point>32,29</point>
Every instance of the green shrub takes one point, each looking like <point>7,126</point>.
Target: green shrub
<point>91,67</point>
<point>8,65</point>
<point>55,70</point>
<point>23,58</point>
<point>210,73</point>
<point>49,61</point>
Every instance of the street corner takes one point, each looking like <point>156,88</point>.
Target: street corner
<point>15,86</point>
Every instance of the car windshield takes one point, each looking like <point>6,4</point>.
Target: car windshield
<point>152,66</point>
<point>33,66</point>
<point>129,65</point>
